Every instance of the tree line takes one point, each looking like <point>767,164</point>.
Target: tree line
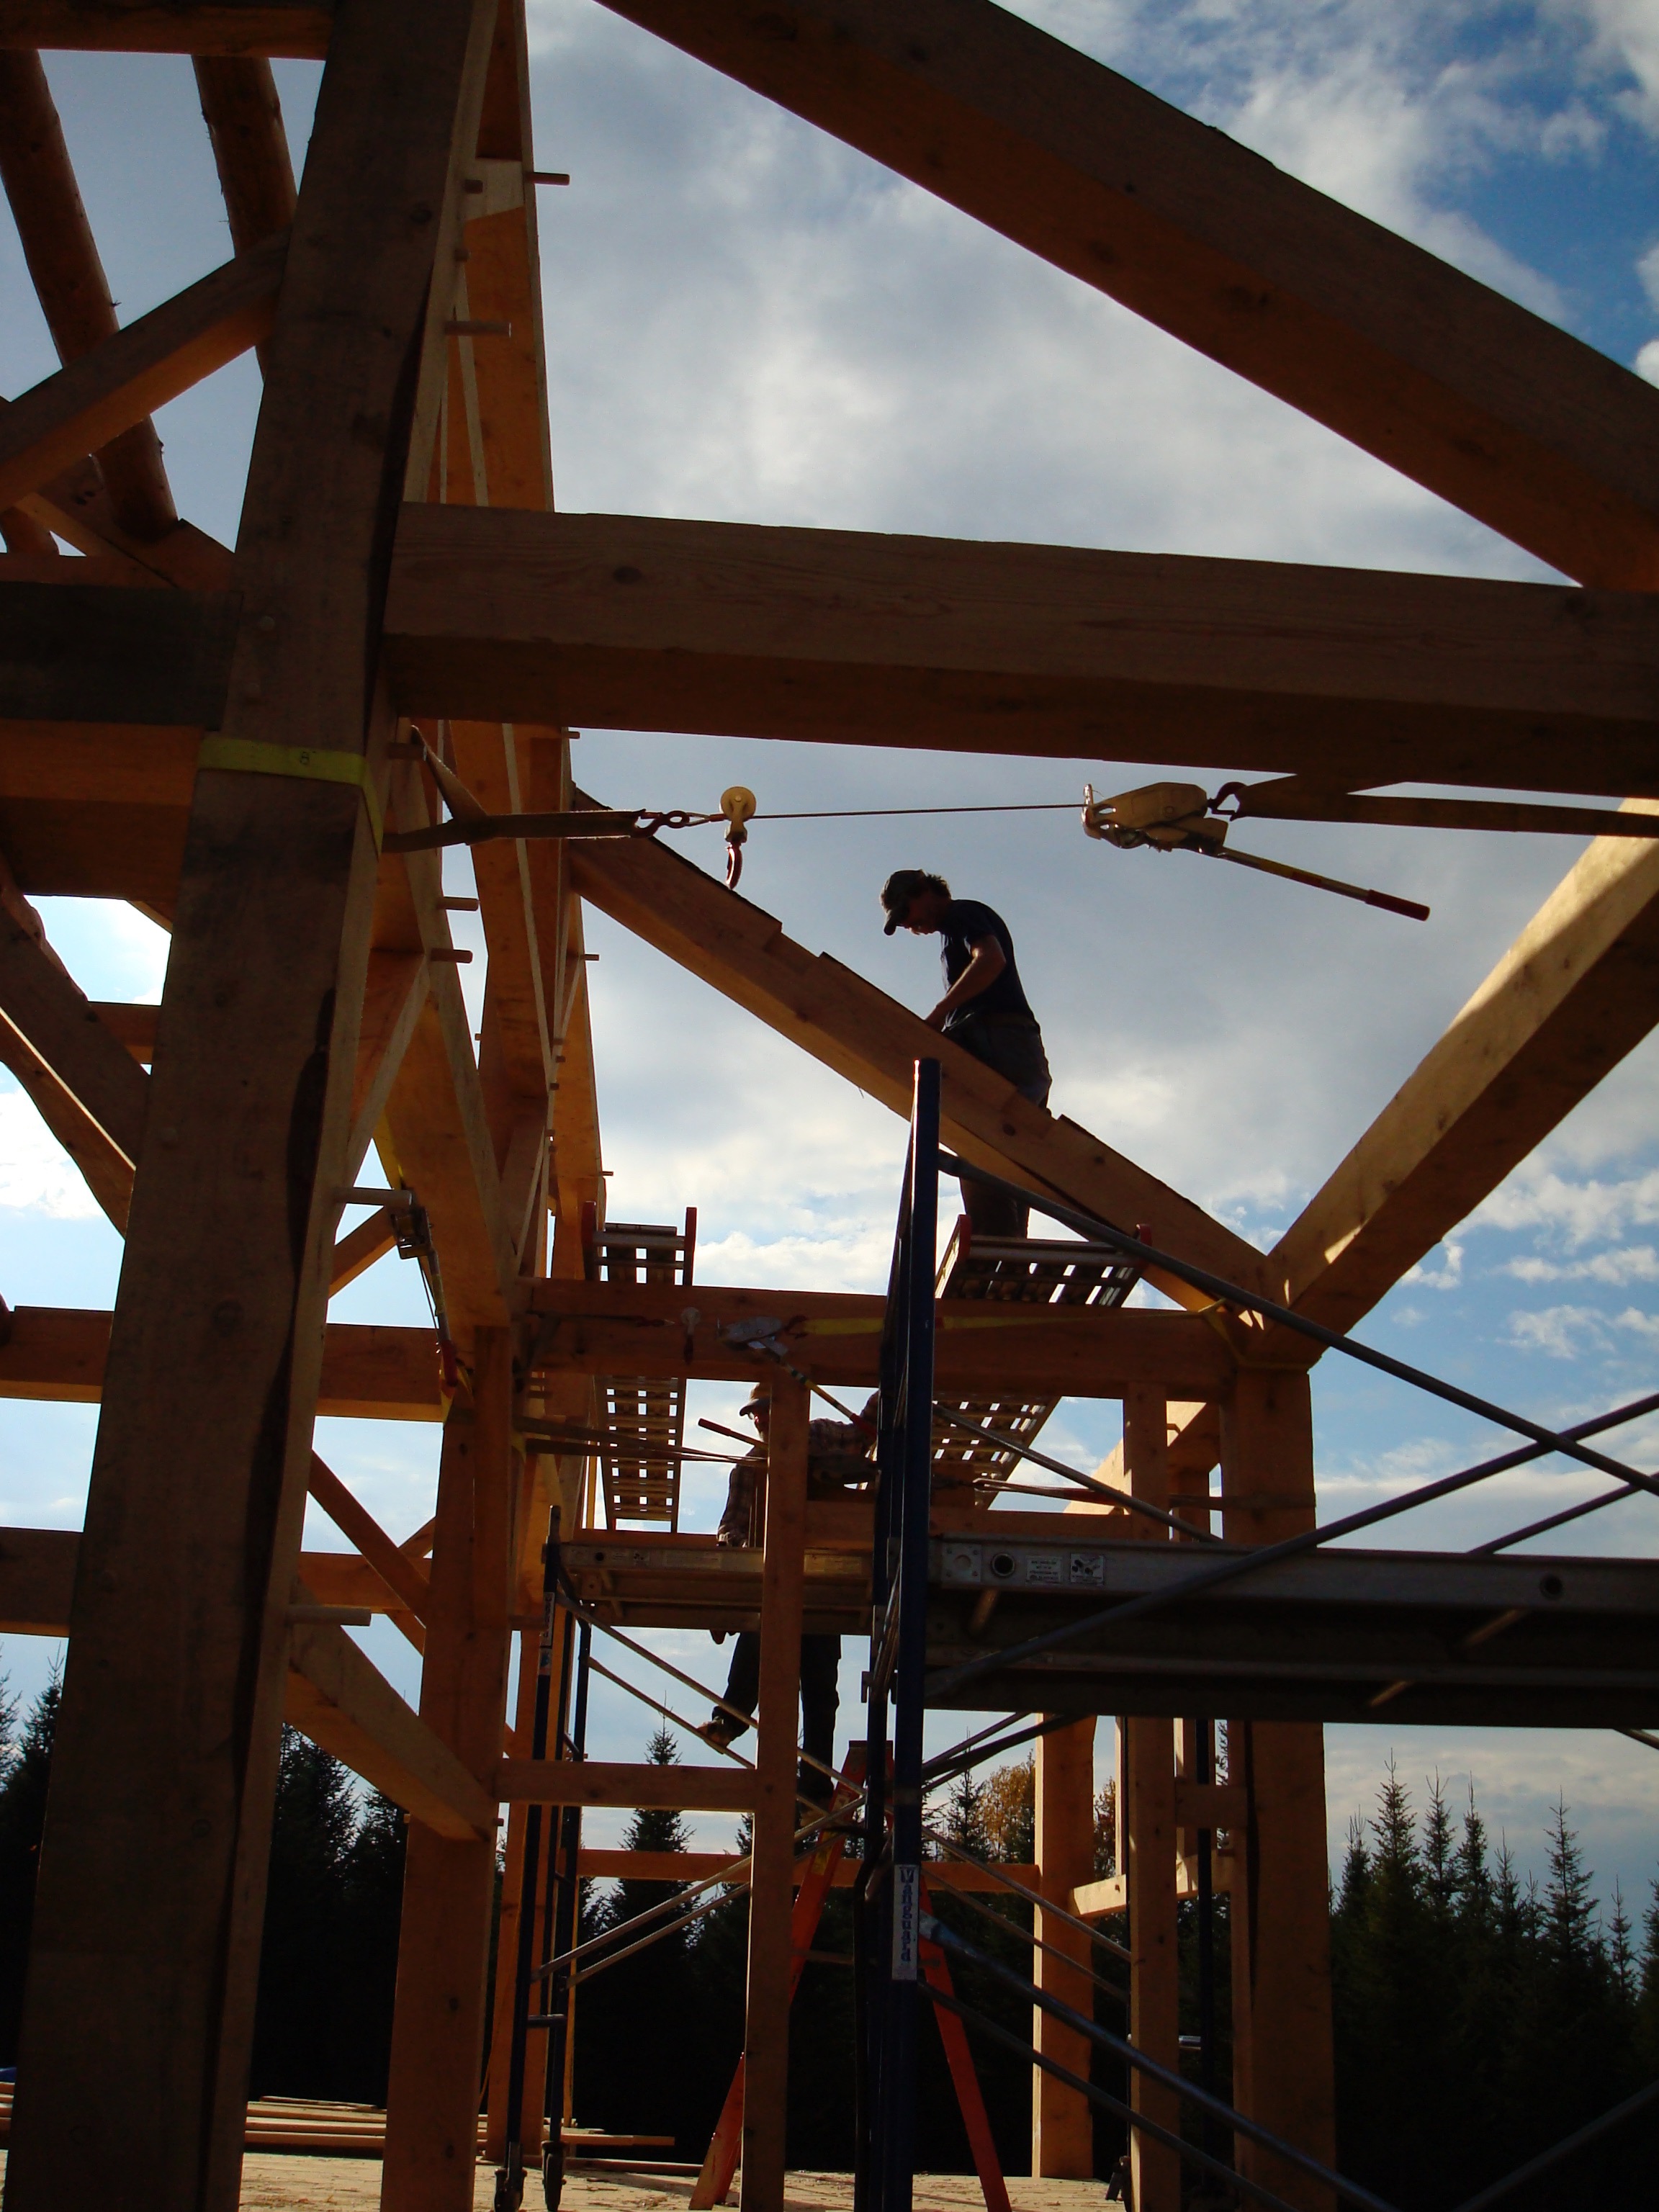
<point>1479,2015</point>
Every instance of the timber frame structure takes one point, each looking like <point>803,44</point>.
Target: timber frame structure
<point>226,739</point>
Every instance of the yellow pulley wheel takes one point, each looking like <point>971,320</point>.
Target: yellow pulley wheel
<point>738,806</point>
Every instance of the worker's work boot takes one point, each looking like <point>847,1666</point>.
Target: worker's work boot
<point>722,1729</point>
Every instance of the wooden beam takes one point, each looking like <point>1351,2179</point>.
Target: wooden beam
<point>435,1109</point>
<point>85,763</point>
<point>770,1981</point>
<point>407,1583</point>
<point>438,2023</point>
<point>747,630</point>
<point>1282,2067</point>
<point>57,1354</point>
<point>1576,991</point>
<point>595,1781</point>
<point>76,507</point>
<point>149,1918</point>
<point>41,1003</point>
<point>296,30</point>
<point>1062,2123</point>
<point>1147,1848</point>
<point>394,998</point>
<point>862,1034</point>
<point>97,653</point>
<point>355,1252</point>
<point>69,278</point>
<point>598,1865</point>
<point>84,1083</point>
<point>335,1694</point>
<point>37,1580</point>
<point>132,1023</point>
<point>126,376</point>
<point>342,1701</point>
<point>243,114</point>
<point>1486,404</point>
<point>612,1328</point>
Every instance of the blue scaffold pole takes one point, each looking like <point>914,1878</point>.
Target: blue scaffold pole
<point>898,1656</point>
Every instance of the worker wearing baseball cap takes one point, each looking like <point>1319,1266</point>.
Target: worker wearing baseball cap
<point>984,1009</point>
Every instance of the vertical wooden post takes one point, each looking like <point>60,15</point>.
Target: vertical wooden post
<point>437,2030</point>
<point>1062,2122</point>
<point>149,1908</point>
<point>507,1942</point>
<point>1282,2065</point>
<point>1147,1825</point>
<point>771,1885</point>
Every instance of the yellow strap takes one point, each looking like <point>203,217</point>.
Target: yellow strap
<point>243,756</point>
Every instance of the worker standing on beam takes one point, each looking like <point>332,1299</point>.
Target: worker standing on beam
<point>837,1460</point>
<point>984,1009</point>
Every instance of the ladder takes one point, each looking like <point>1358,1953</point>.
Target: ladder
<point>640,1421</point>
<point>1014,1271</point>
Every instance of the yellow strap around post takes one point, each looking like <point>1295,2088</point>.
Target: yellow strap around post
<point>244,756</point>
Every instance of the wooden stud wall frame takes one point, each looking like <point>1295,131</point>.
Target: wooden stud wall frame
<point>168,710</point>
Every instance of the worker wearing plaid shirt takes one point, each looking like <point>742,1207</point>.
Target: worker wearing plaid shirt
<point>837,1461</point>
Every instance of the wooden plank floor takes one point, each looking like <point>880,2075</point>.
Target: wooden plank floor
<point>276,2184</point>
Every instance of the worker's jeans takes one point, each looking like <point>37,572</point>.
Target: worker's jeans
<point>1015,1050</point>
<point>820,1698</point>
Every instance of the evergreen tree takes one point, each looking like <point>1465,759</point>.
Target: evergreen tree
<point>1620,1952</point>
<point>964,1817</point>
<point>373,1895</point>
<point>300,1961</point>
<point>1647,2006</point>
<point>1440,1856</point>
<point>22,1821</point>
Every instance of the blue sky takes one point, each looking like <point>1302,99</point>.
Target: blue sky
<point>746,319</point>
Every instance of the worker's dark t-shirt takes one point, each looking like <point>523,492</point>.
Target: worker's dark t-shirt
<point>966,920</point>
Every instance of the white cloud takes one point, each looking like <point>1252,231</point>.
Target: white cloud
<point>1624,45</point>
<point>36,1175</point>
<point>1630,1263</point>
<point>1647,270</point>
<point>1448,1278</point>
<point>1563,1331</point>
<point>1647,362</point>
<point>1539,1197</point>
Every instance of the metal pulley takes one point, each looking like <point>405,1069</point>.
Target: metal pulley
<point>1176,818</point>
<point>1173,816</point>
<point>737,807</point>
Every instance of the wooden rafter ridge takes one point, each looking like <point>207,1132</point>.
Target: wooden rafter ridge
<point>122,380</point>
<point>861,1033</point>
<point>1353,676</point>
<point>1487,404</point>
<point>1576,991</point>
<point>295,30</point>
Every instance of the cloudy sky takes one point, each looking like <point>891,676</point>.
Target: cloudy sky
<point>746,320</point>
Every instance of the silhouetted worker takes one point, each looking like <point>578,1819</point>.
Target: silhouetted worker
<point>837,1460</point>
<point>984,1009</point>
